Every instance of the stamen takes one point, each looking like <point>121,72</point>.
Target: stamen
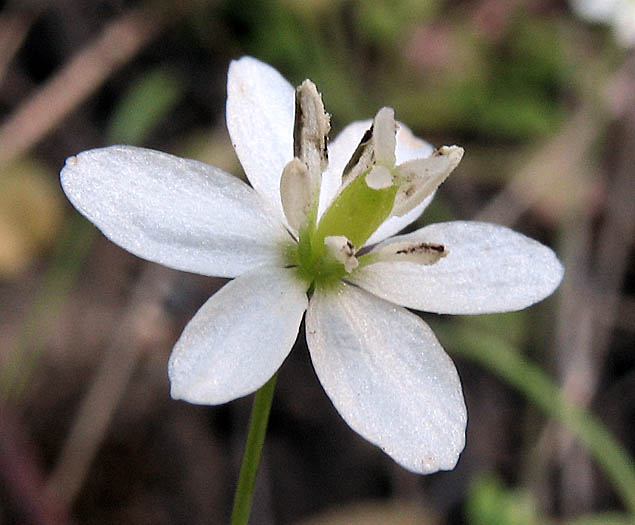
<point>367,194</point>
<point>295,193</point>
<point>362,159</point>
<point>342,250</point>
<point>376,147</point>
<point>384,138</point>
<point>417,252</point>
<point>312,125</point>
<point>379,178</point>
<point>418,178</point>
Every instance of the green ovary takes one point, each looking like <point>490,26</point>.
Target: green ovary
<point>355,214</point>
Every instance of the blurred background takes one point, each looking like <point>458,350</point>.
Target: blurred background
<point>540,93</point>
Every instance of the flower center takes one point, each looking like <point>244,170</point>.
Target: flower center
<point>373,189</point>
<point>353,215</point>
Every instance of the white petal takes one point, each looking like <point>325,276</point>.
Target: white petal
<point>181,213</point>
<point>260,114</point>
<point>488,268</point>
<point>388,377</point>
<point>239,337</point>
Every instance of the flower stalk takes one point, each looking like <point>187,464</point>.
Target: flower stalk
<point>253,449</point>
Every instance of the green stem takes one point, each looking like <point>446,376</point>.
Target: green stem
<point>253,449</point>
<point>503,358</point>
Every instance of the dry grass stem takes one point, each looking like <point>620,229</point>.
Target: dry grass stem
<point>119,42</point>
<point>143,317</point>
<point>14,26</point>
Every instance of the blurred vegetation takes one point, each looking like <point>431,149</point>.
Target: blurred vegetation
<point>542,102</point>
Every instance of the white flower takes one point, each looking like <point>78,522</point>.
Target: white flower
<point>619,13</point>
<point>381,365</point>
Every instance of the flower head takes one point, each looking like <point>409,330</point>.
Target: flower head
<point>313,234</point>
<point>618,13</point>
